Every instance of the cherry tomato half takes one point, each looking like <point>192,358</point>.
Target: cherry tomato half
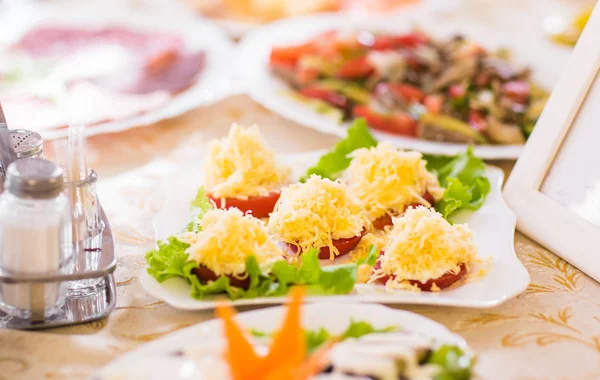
<point>260,207</point>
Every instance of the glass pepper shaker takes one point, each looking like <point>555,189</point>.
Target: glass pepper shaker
<point>27,144</point>
<point>35,237</point>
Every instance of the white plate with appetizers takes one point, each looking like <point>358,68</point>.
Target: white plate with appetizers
<point>495,276</point>
<point>197,352</point>
<point>109,67</point>
<point>545,61</point>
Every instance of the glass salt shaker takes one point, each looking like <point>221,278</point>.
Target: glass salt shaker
<point>35,237</point>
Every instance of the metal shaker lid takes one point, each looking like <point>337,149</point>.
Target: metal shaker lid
<point>34,178</point>
<point>26,143</point>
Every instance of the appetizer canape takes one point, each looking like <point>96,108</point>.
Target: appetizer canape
<point>459,183</point>
<point>320,214</point>
<point>225,240</point>
<point>240,171</point>
<point>424,252</point>
<point>388,181</point>
<point>411,84</point>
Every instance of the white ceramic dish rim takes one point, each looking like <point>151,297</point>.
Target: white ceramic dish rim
<point>208,334</point>
<point>214,83</point>
<point>266,89</point>
<point>507,271</point>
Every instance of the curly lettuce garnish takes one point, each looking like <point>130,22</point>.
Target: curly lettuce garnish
<point>170,260</point>
<point>462,176</point>
<point>199,206</point>
<point>333,163</point>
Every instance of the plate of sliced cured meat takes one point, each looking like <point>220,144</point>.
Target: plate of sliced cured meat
<point>110,69</point>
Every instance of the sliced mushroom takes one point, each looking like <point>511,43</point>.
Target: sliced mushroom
<point>502,133</point>
<point>460,70</point>
<point>388,65</point>
<point>448,129</point>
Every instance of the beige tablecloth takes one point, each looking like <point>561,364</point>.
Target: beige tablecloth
<point>552,331</point>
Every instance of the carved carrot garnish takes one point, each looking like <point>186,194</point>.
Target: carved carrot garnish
<point>243,360</point>
<point>286,359</point>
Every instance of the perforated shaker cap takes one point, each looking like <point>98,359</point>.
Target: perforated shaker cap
<point>26,143</point>
<point>34,178</point>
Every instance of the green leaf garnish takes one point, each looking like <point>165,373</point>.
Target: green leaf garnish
<point>332,164</point>
<point>371,258</point>
<point>199,206</point>
<point>464,178</point>
<point>316,338</point>
<point>168,260</point>
<point>358,329</point>
<point>453,362</point>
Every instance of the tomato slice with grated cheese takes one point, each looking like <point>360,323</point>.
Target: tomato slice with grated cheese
<point>442,282</point>
<point>344,246</point>
<point>259,207</point>
<point>205,274</point>
<point>386,220</point>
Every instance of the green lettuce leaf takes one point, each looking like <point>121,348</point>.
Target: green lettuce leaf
<point>464,178</point>
<point>199,206</point>
<point>371,258</point>
<point>170,260</point>
<point>333,163</point>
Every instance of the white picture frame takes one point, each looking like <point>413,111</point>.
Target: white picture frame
<point>563,132</point>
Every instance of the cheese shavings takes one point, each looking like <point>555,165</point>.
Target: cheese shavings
<point>424,246</point>
<point>313,214</point>
<point>242,166</point>
<point>227,238</point>
<point>377,238</point>
<point>387,180</point>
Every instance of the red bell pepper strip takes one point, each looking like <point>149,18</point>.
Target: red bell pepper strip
<point>397,122</point>
<point>355,68</point>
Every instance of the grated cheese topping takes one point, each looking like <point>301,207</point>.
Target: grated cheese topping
<point>387,180</point>
<point>242,166</point>
<point>313,214</point>
<point>424,246</point>
<point>227,238</point>
<point>377,238</point>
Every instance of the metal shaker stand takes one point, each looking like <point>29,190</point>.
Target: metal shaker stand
<point>78,307</point>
